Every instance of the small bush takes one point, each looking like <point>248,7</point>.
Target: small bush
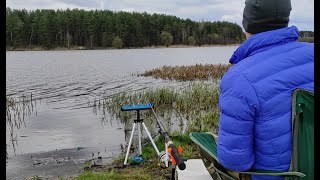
<point>191,41</point>
<point>117,42</point>
<point>166,38</point>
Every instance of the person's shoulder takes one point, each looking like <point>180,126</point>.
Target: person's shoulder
<point>303,44</point>
<point>231,73</point>
<point>233,79</point>
<point>302,49</point>
<point>309,47</point>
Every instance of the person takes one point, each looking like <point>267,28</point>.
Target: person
<point>256,93</point>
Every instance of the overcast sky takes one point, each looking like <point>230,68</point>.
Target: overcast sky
<point>302,14</point>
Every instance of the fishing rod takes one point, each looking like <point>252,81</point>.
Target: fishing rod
<point>170,147</point>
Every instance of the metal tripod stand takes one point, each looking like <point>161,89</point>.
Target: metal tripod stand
<point>138,122</point>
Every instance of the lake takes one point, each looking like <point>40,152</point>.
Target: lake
<point>63,131</point>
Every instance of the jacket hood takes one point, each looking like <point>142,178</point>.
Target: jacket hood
<point>265,40</point>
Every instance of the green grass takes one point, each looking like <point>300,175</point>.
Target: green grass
<point>112,175</point>
<point>179,140</point>
<point>150,169</point>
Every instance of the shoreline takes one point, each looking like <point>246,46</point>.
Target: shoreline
<point>73,48</point>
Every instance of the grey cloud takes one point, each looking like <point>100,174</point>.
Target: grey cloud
<point>82,3</point>
<point>211,10</point>
<point>42,4</point>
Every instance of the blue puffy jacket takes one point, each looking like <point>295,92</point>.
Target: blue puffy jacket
<point>255,100</point>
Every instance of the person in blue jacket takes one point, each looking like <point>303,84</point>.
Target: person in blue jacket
<point>255,100</point>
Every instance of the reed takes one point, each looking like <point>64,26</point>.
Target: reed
<point>196,104</point>
<point>17,109</point>
<point>189,73</point>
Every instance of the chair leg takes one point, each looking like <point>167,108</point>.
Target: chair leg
<point>218,175</point>
<point>225,175</point>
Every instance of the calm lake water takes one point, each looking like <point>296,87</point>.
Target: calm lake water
<point>62,131</point>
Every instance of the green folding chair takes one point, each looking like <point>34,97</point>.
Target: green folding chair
<point>303,143</point>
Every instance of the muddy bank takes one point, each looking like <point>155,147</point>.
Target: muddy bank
<point>65,163</point>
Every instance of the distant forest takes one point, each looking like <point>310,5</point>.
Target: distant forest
<point>105,28</point>
<point>306,36</point>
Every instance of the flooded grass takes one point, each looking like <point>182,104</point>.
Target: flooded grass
<point>17,109</point>
<point>197,104</point>
<point>189,73</point>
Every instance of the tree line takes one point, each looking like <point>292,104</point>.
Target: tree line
<point>306,34</point>
<point>105,28</point>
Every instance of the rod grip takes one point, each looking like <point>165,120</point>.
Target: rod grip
<point>176,158</point>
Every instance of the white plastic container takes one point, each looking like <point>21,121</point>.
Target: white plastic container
<point>195,170</point>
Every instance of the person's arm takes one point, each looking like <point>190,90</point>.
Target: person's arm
<point>239,104</point>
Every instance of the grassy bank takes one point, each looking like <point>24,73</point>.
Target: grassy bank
<point>150,169</point>
<point>306,39</point>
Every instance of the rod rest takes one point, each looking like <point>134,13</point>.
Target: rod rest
<point>136,107</point>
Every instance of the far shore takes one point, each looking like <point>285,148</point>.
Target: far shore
<point>38,48</point>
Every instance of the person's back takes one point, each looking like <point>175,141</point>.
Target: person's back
<point>255,101</point>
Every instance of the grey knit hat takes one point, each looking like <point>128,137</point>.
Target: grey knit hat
<point>265,15</point>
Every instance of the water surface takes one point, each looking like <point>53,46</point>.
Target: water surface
<point>63,131</point>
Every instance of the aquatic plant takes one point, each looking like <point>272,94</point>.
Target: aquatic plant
<point>16,111</point>
<point>195,105</point>
<point>189,73</point>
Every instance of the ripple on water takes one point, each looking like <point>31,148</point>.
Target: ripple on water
<point>66,81</point>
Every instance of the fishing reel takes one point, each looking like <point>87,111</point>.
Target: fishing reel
<point>163,159</point>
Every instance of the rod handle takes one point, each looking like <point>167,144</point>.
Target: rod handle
<point>176,159</point>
